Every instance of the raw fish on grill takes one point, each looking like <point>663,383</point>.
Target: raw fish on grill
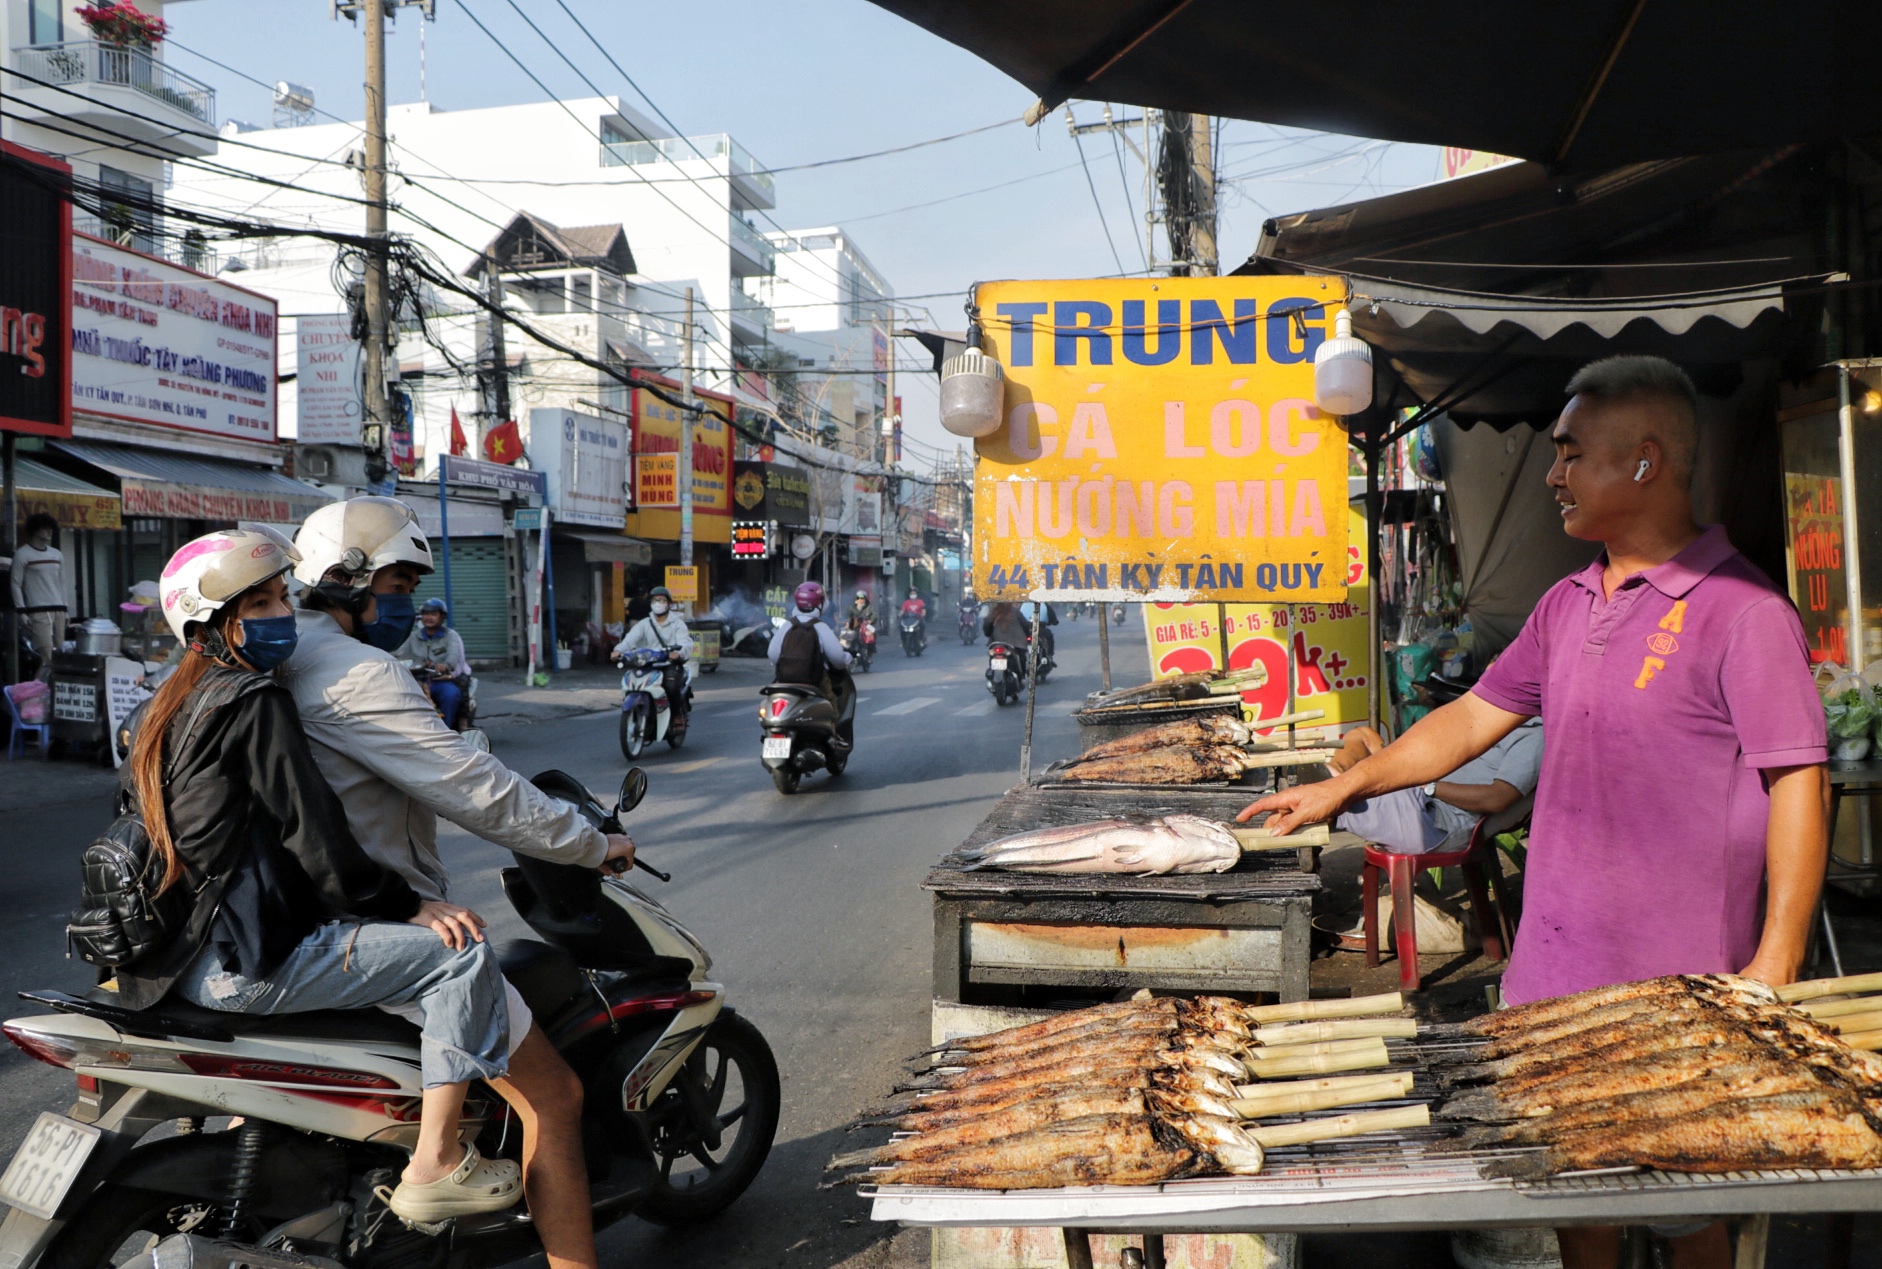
<point>1172,844</point>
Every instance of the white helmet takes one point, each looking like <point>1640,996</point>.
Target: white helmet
<point>208,572</point>
<point>359,537</point>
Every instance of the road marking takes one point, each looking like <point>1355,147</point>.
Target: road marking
<point>908,706</point>
<point>697,763</point>
<point>982,707</point>
<point>861,699</point>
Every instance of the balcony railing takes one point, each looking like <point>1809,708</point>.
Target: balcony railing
<point>751,312</point>
<point>739,162</point>
<point>127,231</point>
<point>89,62</point>
<point>751,244</point>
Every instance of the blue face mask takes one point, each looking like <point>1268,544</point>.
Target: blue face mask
<point>393,624</point>
<point>267,642</point>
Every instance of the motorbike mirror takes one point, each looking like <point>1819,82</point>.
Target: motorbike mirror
<point>633,789</point>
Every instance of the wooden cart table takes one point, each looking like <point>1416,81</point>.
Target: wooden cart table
<point>1245,930</point>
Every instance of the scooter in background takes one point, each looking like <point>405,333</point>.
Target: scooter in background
<point>1003,671</point>
<point>647,715</point>
<point>804,730</point>
<point>860,642</point>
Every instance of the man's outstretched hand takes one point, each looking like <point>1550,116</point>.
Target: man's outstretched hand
<point>1289,809</point>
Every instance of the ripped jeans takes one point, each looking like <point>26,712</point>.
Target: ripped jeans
<point>464,1018</point>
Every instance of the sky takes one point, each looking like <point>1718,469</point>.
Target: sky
<point>801,81</point>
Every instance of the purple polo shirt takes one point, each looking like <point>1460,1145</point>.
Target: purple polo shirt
<point>1662,704</point>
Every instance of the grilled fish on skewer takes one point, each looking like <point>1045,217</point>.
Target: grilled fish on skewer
<point>1184,1071</point>
<point>1173,844</point>
<point>1597,1084</point>
<point>1095,1150</point>
<point>1212,729</point>
<point>1150,1048</point>
<point>928,1113</point>
<point>1035,1031</point>
<point>1556,1008</point>
<point>1729,1082</point>
<point>1819,1129</point>
<point>1129,1027</point>
<point>1163,766</point>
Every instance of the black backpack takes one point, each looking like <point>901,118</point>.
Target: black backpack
<point>800,656</point>
<point>121,917</point>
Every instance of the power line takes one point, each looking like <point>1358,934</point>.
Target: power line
<point>1096,202</point>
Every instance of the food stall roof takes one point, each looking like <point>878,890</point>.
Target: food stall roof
<point>188,480</point>
<point>1610,81</point>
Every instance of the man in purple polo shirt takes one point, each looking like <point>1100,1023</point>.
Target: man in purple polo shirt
<point>1680,823</point>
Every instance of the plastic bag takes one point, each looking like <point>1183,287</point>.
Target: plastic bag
<point>1853,716</point>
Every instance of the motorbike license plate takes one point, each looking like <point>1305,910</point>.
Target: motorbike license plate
<point>777,747</point>
<point>998,664</point>
<point>46,1164</point>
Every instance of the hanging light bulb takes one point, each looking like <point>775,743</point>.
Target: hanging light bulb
<point>1342,370</point>
<point>972,388</point>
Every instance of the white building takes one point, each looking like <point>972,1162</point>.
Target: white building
<point>832,311</point>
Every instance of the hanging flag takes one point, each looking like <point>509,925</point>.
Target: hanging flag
<point>504,444</point>
<point>459,446</point>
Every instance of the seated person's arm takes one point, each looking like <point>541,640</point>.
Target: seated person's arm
<point>1480,799</point>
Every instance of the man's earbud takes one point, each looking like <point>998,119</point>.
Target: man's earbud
<point>1640,472</point>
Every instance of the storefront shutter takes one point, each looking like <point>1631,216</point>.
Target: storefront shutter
<point>480,595</point>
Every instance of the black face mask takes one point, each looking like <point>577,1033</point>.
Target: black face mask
<point>393,623</point>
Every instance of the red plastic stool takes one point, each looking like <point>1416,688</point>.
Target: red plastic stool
<point>1401,870</point>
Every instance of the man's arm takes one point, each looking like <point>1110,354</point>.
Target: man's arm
<point>1479,799</point>
<point>16,575</point>
<point>1438,744</point>
<point>1796,851</point>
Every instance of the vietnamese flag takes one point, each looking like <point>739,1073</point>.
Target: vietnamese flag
<point>459,446</point>
<point>504,444</point>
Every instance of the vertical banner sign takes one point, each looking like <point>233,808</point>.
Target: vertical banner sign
<point>1329,643</point>
<point>1161,443</point>
<point>35,295</point>
<point>534,598</point>
<point>1819,586</point>
<point>326,380</point>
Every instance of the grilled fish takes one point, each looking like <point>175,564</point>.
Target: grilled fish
<point>1726,1082</point>
<point>980,1098</point>
<point>1173,844</point>
<point>1130,1026</point>
<point>1094,1150</point>
<point>1555,1008</point>
<point>1213,729</point>
<point>1033,1032</point>
<point>1823,1128</point>
<point>1141,1046</point>
<point>1180,765</point>
<point>1599,1083</point>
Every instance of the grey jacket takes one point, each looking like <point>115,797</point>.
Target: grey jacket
<point>397,768</point>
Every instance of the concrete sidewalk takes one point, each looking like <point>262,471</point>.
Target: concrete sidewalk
<point>504,697</point>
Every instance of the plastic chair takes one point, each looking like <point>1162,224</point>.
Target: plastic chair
<point>1496,925</point>
<point>16,739</point>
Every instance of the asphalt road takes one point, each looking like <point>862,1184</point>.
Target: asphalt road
<point>810,905</point>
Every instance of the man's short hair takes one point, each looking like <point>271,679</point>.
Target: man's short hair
<point>40,520</point>
<point>1655,380</point>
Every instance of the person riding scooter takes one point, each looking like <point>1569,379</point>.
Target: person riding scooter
<point>437,655</point>
<point>397,768</point>
<point>861,610</point>
<point>806,650</point>
<point>664,629</point>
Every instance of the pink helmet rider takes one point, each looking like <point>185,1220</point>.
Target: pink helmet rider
<point>809,597</point>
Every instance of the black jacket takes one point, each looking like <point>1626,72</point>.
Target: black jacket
<point>263,840</point>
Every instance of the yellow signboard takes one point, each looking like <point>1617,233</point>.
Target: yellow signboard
<point>1329,644</point>
<point>683,581</point>
<point>1160,443</point>
<point>657,480</point>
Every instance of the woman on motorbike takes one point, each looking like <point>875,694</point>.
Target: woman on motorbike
<point>287,912</point>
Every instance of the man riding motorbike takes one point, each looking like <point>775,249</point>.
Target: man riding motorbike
<point>397,768</point>
<point>664,629</point>
<point>1011,624</point>
<point>817,657</point>
<point>437,655</point>
<point>286,913</point>
<point>861,610</point>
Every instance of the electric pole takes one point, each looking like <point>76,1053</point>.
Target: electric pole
<point>378,408</point>
<point>375,288</point>
<point>685,480</point>
<point>1202,196</point>
<point>498,400</point>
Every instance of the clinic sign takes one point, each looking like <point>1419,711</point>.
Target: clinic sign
<point>586,461</point>
<point>1160,443</point>
<point>156,343</point>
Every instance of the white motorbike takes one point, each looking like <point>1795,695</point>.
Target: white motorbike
<point>681,1098</point>
<point>648,713</point>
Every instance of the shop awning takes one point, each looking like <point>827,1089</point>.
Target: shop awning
<point>43,490</point>
<point>186,487</point>
<point>1582,85</point>
<point>608,548</point>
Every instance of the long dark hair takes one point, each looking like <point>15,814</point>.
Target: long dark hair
<point>147,749</point>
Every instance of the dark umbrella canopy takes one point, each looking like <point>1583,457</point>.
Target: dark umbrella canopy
<point>1584,83</point>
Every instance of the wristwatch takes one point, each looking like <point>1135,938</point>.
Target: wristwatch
<point>1431,790</point>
